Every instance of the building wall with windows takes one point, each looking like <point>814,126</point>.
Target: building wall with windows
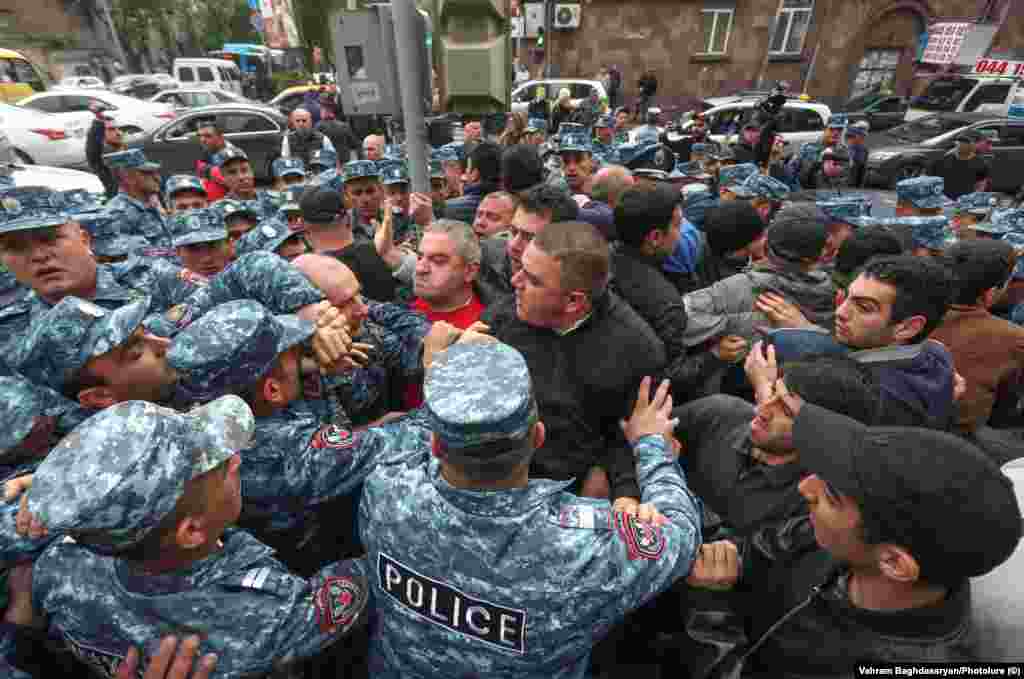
<point>700,48</point>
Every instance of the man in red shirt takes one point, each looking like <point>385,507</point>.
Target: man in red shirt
<point>446,270</point>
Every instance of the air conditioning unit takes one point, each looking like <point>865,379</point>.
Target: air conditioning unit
<point>567,16</point>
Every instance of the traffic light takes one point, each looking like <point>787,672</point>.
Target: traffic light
<point>475,58</point>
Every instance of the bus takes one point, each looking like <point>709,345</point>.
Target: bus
<point>18,77</point>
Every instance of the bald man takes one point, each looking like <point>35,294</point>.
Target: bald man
<point>609,183</point>
<point>393,338</point>
<point>301,140</point>
<point>373,147</point>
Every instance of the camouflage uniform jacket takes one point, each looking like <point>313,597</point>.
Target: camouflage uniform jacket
<point>138,219</point>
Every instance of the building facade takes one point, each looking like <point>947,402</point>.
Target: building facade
<point>828,48</point>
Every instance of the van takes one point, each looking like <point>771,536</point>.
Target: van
<point>18,77</point>
<point>208,74</point>
<point>965,94</point>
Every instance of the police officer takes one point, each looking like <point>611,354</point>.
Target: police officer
<point>931,235</point>
<point>731,176</point>
<point>288,172</point>
<point>803,161</point>
<point>366,196</point>
<point>138,198</point>
<point>394,177</point>
<point>480,568</point>
<point>237,173</point>
<point>921,197</point>
<point>577,159</point>
<point>185,192</point>
<point>438,187</point>
<point>765,194</point>
<point>274,236</point>
<point>201,241</point>
<point>453,157</point>
<point>147,495</point>
<point>240,216</point>
<point>844,214</point>
<point>34,418</point>
<point>972,208</point>
<point>50,253</point>
<point>855,138</point>
<point>321,161</point>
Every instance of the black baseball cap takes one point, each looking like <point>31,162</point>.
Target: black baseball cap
<point>947,502</point>
<point>321,204</point>
<point>798,232</point>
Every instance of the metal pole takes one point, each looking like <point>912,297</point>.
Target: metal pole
<point>549,20</point>
<point>409,49</point>
<point>105,7</point>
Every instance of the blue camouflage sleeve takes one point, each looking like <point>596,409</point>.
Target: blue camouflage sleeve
<point>260,276</point>
<point>171,284</point>
<point>13,547</point>
<point>408,328</point>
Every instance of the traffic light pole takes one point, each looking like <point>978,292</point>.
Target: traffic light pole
<point>410,77</point>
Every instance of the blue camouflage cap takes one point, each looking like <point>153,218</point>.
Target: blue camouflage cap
<point>697,200</point>
<point>922,192</point>
<point>31,207</point>
<point>475,394</point>
<point>733,175</point>
<point>80,200</point>
<point>119,245</point>
<point>227,154</point>
<point>700,147</point>
<point>232,346</point>
<point>394,173</point>
<point>268,236</point>
<point>1016,239</point>
<point>761,186</point>
<point>847,209</point>
<point>60,342</point>
<point>357,169</point>
<point>118,474</point>
<point>323,158</point>
<point>132,159</point>
<point>286,167</point>
<point>99,223</point>
<point>536,125</point>
<point>437,170</point>
<point>202,225</point>
<point>978,203</point>
<point>838,121</point>
<point>230,208</point>
<point>931,232</point>
<point>183,182</point>
<point>574,141</point>
<point>1013,219</point>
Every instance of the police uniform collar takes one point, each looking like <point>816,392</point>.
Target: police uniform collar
<point>496,503</point>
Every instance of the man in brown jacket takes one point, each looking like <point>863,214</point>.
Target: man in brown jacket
<point>988,352</point>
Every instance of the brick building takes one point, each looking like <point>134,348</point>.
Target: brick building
<point>58,36</point>
<point>707,47</point>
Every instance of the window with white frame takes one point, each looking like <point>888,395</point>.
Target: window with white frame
<point>791,27</point>
<point>717,24</point>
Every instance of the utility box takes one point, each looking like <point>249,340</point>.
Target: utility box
<point>475,56</point>
<point>364,51</point>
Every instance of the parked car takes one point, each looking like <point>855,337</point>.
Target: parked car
<point>45,138</point>
<point>291,98</point>
<point>132,115</point>
<point>81,82</point>
<point>59,178</point>
<point>166,80</point>
<point>965,94</point>
<point>799,121</point>
<point>579,90</point>
<point>881,111</point>
<point>254,129</point>
<point>908,150</point>
<point>185,99</point>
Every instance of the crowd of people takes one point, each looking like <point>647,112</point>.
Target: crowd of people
<point>596,400</point>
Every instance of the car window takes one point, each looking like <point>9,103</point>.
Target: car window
<point>45,104</point>
<point>580,90</point>
<point>944,94</point>
<point>184,128</point>
<point>75,103</point>
<point>185,74</point>
<point>925,128</point>
<point>988,94</point>
<point>237,123</point>
<point>1014,136</point>
<point>806,120</point>
<point>205,74</point>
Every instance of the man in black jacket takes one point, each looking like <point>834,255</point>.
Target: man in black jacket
<point>104,137</point>
<point>482,176</point>
<point>587,352</point>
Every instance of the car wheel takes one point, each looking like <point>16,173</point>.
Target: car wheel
<point>908,171</point>
<point>23,157</point>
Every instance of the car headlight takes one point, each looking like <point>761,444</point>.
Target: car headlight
<point>882,156</point>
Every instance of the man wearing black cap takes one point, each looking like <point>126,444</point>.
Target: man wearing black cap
<point>963,170</point>
<point>903,518</point>
<point>736,237</point>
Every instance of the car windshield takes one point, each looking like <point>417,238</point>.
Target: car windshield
<point>944,94</point>
<point>925,128</point>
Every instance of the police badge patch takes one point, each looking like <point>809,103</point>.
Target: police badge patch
<point>332,436</point>
<point>338,601</point>
<point>643,541</point>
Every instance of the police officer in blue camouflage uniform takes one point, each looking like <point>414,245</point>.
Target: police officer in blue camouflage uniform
<point>764,193</point>
<point>146,494</point>
<point>273,235</point>
<point>731,176</point>
<point>137,201</point>
<point>921,196</point>
<point>34,418</point>
<point>479,570</point>
<point>931,235</point>
<point>240,180</point>
<point>394,178</point>
<point>298,460</point>
<point>185,192</point>
<point>845,214</point>
<point>972,208</point>
<point>364,192</point>
<point>808,155</point>
<point>240,216</point>
<point>321,161</point>
<point>288,172</point>
<point>45,249</point>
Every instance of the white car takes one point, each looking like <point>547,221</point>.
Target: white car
<point>183,99</point>
<point>57,178</point>
<point>799,121</point>
<point>45,138</point>
<point>85,82</point>
<point>579,90</point>
<point>133,115</point>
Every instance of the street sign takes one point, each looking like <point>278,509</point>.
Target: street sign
<point>999,67</point>
<point>944,41</point>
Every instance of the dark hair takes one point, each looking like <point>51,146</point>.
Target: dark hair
<point>642,209</point>
<point>979,265</point>
<point>521,167</point>
<point>486,158</point>
<point>492,462</point>
<point>547,199</point>
<point>835,383</point>
<point>732,226</point>
<point>864,244</point>
<point>922,288</point>
<point>211,123</point>
<point>582,253</point>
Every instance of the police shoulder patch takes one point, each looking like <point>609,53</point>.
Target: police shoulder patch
<point>332,436</point>
<point>643,540</point>
<point>338,602</point>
